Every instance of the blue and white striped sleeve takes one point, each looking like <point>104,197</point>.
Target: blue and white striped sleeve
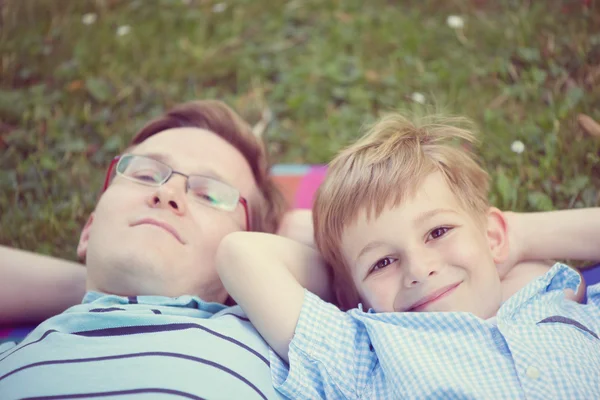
<point>593,295</point>
<point>5,346</point>
<point>330,355</point>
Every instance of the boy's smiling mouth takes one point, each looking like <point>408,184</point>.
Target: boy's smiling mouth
<point>436,295</point>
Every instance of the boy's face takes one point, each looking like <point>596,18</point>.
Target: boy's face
<point>427,254</point>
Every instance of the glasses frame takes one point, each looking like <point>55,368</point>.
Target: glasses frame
<point>116,159</point>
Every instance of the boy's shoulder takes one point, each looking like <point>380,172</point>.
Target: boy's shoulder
<point>561,277</point>
<point>551,285</point>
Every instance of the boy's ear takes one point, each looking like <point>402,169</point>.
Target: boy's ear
<point>497,234</point>
<point>84,238</point>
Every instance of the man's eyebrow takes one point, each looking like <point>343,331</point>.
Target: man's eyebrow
<point>211,173</point>
<point>158,157</point>
<point>164,158</point>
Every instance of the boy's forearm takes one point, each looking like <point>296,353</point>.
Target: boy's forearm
<point>566,234</point>
<point>34,287</point>
<point>262,273</point>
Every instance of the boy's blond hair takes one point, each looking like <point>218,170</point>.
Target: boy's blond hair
<point>383,167</point>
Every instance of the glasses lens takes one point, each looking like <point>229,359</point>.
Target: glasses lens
<point>214,193</point>
<point>143,169</point>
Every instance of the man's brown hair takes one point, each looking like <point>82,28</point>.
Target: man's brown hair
<point>381,170</point>
<point>215,116</point>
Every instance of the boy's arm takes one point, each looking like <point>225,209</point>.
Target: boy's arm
<point>34,287</point>
<point>565,234</point>
<point>533,237</point>
<point>265,275</point>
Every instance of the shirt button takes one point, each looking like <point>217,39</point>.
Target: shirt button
<point>532,372</point>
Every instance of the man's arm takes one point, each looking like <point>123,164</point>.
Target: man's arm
<point>34,287</point>
<point>265,274</point>
<point>298,225</point>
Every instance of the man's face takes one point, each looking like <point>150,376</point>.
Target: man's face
<point>160,240</point>
<point>426,254</point>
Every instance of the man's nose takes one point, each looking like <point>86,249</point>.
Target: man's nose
<point>418,269</point>
<point>170,195</point>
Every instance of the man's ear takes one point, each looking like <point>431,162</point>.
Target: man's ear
<point>84,238</point>
<point>497,234</point>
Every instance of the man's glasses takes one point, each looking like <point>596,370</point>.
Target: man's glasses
<point>150,172</point>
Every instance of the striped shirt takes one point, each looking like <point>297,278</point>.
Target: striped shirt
<point>540,346</point>
<point>140,347</point>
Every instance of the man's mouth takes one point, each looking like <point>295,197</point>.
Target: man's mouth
<point>433,297</point>
<point>160,224</point>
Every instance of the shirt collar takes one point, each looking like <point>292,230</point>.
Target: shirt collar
<point>558,278</point>
<point>186,301</point>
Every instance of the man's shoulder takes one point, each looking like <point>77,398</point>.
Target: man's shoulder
<point>220,351</point>
<point>115,315</point>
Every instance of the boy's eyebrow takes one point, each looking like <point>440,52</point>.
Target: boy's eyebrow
<point>419,220</point>
<point>431,213</point>
<point>370,246</point>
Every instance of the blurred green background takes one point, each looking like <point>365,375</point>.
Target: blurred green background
<point>79,78</point>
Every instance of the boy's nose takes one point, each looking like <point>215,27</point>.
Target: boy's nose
<point>418,271</point>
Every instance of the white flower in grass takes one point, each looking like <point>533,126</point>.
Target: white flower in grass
<point>219,8</point>
<point>455,22</point>
<point>418,97</point>
<point>123,30</point>
<point>89,18</point>
<point>517,147</point>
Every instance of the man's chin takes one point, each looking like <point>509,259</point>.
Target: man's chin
<point>131,273</point>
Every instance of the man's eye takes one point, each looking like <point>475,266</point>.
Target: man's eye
<point>147,176</point>
<point>439,232</point>
<point>206,196</point>
<point>381,264</point>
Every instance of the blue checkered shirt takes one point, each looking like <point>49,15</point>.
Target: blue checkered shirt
<point>539,346</point>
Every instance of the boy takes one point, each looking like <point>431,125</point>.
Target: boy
<point>403,221</point>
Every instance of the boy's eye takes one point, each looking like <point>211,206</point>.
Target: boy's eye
<point>439,232</point>
<point>381,264</point>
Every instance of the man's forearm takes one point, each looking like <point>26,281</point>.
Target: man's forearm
<point>34,287</point>
<point>298,226</point>
<point>566,234</point>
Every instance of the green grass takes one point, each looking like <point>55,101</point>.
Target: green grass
<point>72,95</point>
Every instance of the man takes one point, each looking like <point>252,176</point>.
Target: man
<point>190,178</point>
<point>60,283</point>
<point>153,322</point>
